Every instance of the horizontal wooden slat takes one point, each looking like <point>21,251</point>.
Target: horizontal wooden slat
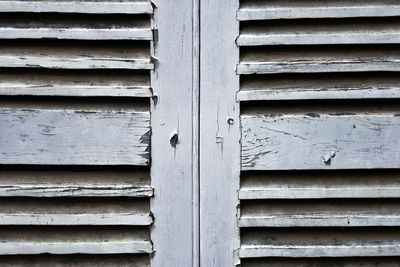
<point>73,240</point>
<point>74,26</point>
<point>75,83</point>
<point>53,211</point>
<point>340,86</point>
<point>84,260</point>
<point>73,6</point>
<point>289,9</point>
<point>318,262</point>
<point>75,184</point>
<point>320,185</point>
<point>320,140</point>
<point>320,33</point>
<point>305,243</point>
<point>318,213</point>
<point>319,60</point>
<point>74,137</point>
<point>74,55</point>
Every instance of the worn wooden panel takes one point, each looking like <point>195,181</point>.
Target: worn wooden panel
<point>88,6</point>
<point>310,242</point>
<point>320,32</point>
<point>77,211</point>
<point>318,262</point>
<point>74,26</point>
<point>362,184</point>
<point>73,240</point>
<point>68,137</point>
<point>75,55</point>
<point>289,9</point>
<point>319,213</point>
<point>327,140</point>
<point>74,83</point>
<point>319,86</point>
<point>309,59</point>
<point>99,183</point>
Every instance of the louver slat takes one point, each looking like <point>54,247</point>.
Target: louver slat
<point>74,240</point>
<point>299,9</point>
<point>89,7</point>
<point>320,243</point>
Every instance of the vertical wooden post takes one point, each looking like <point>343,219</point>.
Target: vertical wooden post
<point>220,133</point>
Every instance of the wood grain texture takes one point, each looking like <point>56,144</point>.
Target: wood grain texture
<point>74,56</point>
<point>320,185</point>
<point>318,60</point>
<point>320,33</point>
<point>320,141</point>
<point>295,243</point>
<point>87,7</point>
<point>73,240</point>
<point>91,137</point>
<point>283,9</point>
<point>74,184</point>
<point>173,115</point>
<point>319,213</point>
<point>220,134</point>
<point>318,86</point>
<point>75,83</point>
<point>75,211</point>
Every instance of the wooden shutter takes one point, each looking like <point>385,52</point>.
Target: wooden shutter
<point>75,132</point>
<point>317,86</point>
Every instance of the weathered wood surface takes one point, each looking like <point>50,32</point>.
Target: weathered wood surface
<point>89,7</point>
<point>46,260</point>
<point>320,87</point>
<point>174,120</point>
<point>75,26</point>
<point>320,33</point>
<point>74,56</point>
<point>297,243</point>
<point>320,185</point>
<point>319,213</point>
<point>219,134</point>
<point>274,141</point>
<point>74,184</point>
<point>42,83</point>
<point>284,9</point>
<point>74,212</point>
<point>318,262</point>
<point>73,240</point>
<point>318,60</point>
<point>69,137</point>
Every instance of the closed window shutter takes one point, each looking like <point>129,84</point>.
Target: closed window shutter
<point>319,132</point>
<point>75,133</point>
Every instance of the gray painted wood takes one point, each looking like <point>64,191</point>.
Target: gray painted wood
<point>74,56</point>
<point>359,86</point>
<point>320,186</point>
<point>321,60</point>
<point>306,213</point>
<point>320,141</point>
<point>74,84</point>
<point>296,243</point>
<point>174,173</point>
<point>220,134</point>
<point>92,137</point>
<point>60,241</point>
<point>74,184</point>
<point>74,212</point>
<point>89,7</point>
<point>333,33</point>
<point>283,9</point>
